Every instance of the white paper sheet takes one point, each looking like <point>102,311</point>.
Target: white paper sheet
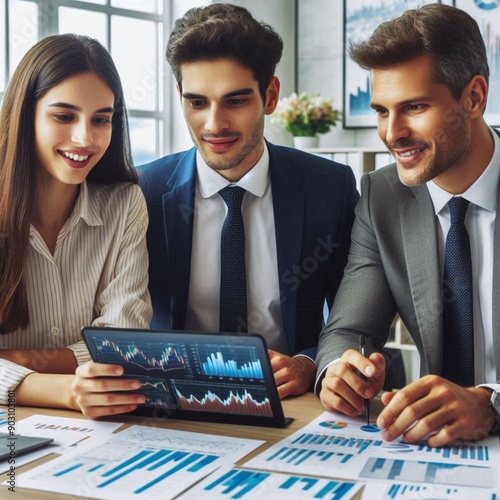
<point>334,445</point>
<point>66,432</point>
<point>139,462</point>
<point>246,484</point>
<point>413,491</point>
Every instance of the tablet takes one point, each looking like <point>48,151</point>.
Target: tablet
<point>12,446</point>
<point>215,377</point>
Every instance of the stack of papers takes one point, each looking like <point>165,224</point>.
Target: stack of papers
<point>332,458</point>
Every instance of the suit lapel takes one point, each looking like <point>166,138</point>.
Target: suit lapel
<point>422,257</point>
<point>178,212</point>
<point>288,205</point>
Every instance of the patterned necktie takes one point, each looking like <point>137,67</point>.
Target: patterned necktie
<point>233,285</point>
<point>458,329</point>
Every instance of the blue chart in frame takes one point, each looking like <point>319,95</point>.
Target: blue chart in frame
<point>487,15</point>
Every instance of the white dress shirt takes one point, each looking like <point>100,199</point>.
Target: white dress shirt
<point>97,276</point>
<point>480,223</point>
<point>263,293</point>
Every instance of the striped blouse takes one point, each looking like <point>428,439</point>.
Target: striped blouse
<point>97,276</point>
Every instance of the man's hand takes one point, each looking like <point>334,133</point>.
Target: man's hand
<point>98,390</point>
<point>435,407</point>
<point>293,376</point>
<point>343,389</point>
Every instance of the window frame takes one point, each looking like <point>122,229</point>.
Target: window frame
<point>48,22</point>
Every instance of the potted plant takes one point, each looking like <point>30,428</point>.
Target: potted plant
<point>306,116</point>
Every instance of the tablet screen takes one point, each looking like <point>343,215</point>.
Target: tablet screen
<point>201,376</point>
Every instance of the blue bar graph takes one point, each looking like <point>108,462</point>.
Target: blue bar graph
<point>215,365</point>
<point>240,483</point>
<point>429,472</point>
<point>411,491</point>
<point>298,456</point>
<point>465,452</point>
<point>167,462</point>
<point>357,444</point>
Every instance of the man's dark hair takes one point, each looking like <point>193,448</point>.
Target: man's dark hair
<point>225,31</point>
<point>449,35</point>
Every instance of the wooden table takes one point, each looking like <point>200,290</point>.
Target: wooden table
<point>302,409</point>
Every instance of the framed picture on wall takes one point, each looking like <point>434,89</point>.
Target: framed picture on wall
<point>487,15</point>
<point>361,17</point>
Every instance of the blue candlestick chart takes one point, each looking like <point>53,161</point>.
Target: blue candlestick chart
<point>143,355</point>
<point>156,392</point>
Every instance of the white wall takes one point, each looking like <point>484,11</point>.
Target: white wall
<point>320,65</point>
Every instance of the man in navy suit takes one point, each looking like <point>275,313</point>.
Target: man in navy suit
<point>297,208</point>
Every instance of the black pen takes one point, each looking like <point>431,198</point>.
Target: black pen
<point>367,401</point>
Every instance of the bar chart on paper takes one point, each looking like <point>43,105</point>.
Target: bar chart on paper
<point>357,451</point>
<point>247,484</point>
<point>139,462</point>
<point>411,491</point>
<point>429,472</point>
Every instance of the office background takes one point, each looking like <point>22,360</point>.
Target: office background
<point>136,31</point>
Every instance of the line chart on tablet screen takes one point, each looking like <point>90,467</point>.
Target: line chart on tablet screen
<point>143,356</point>
<point>222,398</point>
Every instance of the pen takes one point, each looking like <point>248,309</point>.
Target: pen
<point>367,401</point>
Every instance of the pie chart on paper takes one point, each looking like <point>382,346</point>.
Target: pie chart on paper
<point>370,428</point>
<point>333,425</point>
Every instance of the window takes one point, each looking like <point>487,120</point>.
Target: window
<point>133,33</point>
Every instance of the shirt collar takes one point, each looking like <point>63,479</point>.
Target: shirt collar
<point>210,182</point>
<point>84,209</point>
<point>482,193</point>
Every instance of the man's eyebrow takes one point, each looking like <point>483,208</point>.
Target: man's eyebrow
<point>411,100</point>
<point>233,93</point>
<point>109,109</point>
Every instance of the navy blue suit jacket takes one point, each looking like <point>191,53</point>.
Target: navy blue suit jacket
<point>313,200</point>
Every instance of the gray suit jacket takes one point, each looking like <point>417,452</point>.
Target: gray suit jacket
<point>394,267</point>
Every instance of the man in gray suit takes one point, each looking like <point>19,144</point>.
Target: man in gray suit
<point>429,76</point>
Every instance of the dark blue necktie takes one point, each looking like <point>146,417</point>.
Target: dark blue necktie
<point>233,284</point>
<point>458,328</point>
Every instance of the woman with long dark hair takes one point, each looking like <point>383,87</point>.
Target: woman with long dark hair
<point>72,219</point>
